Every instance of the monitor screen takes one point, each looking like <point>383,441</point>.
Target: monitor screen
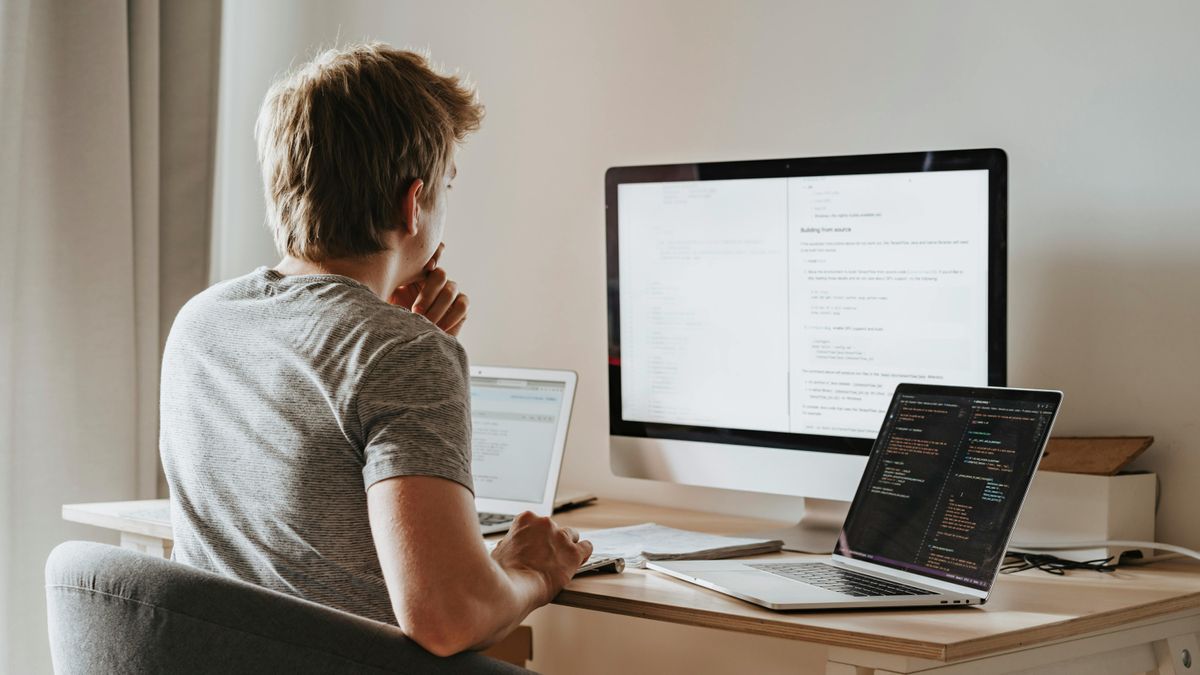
<point>514,426</point>
<point>780,302</point>
<point>947,477</point>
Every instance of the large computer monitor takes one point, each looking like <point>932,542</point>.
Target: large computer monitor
<point>761,313</point>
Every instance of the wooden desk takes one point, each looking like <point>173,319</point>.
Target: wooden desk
<point>138,531</point>
<point>1132,621</point>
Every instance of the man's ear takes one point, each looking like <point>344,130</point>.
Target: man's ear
<point>410,207</point>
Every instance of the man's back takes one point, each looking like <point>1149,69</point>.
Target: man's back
<point>283,399</point>
<point>315,416</point>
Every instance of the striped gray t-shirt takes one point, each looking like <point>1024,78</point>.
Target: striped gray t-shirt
<point>283,399</point>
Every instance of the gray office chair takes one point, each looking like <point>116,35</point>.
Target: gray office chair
<point>112,610</point>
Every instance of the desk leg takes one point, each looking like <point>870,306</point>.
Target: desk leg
<point>151,545</point>
<point>1178,655</point>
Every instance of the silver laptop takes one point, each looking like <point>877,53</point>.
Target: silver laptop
<point>519,419</point>
<point>933,513</point>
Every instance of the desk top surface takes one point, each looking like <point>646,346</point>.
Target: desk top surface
<point>1025,608</point>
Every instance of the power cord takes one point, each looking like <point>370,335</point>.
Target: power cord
<point>1022,557</point>
<point>1175,551</point>
<point>1052,564</point>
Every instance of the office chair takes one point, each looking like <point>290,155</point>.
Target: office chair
<point>113,610</point>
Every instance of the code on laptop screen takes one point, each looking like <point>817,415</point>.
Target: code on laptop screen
<point>945,481</point>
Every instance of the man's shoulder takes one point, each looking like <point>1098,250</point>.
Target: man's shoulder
<point>317,314</point>
<point>407,339</point>
<point>353,325</point>
<point>382,327</point>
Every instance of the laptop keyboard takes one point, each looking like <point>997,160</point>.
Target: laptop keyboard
<point>839,580</point>
<point>494,519</point>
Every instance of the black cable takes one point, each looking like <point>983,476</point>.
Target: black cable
<point>1052,564</point>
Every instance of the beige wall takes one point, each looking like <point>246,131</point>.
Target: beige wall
<point>1094,101</point>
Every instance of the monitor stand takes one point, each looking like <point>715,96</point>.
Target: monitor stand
<point>817,530</point>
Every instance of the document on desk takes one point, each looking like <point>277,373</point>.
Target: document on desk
<point>651,541</point>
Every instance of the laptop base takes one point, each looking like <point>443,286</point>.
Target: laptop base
<point>740,580</point>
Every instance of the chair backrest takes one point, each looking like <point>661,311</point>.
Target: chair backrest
<point>113,610</point>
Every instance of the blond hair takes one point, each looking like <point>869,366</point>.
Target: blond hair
<point>341,139</point>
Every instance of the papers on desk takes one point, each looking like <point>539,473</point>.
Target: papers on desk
<point>651,541</point>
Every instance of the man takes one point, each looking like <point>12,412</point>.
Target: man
<point>315,416</point>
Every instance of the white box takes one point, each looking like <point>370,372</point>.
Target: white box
<point>1067,507</point>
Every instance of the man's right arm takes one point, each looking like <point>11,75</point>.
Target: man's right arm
<point>447,592</point>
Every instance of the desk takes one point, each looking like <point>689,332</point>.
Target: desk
<point>1134,621</point>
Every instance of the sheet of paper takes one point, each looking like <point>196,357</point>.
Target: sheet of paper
<point>636,543</point>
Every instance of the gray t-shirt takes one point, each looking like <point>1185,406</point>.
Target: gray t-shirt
<point>283,399</point>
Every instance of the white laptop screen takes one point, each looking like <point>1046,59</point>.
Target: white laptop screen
<point>946,479</point>
<point>512,442</point>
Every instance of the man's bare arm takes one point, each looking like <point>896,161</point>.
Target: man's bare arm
<point>447,592</point>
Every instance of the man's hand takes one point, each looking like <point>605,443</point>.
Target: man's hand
<point>434,296</point>
<point>536,544</point>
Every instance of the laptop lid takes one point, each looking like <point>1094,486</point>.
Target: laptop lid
<point>519,419</point>
<point>945,482</point>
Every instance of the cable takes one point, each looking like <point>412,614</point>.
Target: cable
<point>1019,562</point>
<point>1176,551</point>
<point>1135,557</point>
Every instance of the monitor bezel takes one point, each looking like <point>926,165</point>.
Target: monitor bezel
<point>994,160</point>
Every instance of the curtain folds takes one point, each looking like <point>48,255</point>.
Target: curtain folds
<point>107,111</point>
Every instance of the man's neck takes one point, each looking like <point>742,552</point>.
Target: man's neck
<point>371,271</point>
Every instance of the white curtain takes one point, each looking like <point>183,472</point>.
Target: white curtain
<point>107,112</point>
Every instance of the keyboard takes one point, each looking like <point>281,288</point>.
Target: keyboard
<point>839,580</point>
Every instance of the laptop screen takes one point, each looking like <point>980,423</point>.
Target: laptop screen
<point>945,480</point>
<point>512,441</point>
